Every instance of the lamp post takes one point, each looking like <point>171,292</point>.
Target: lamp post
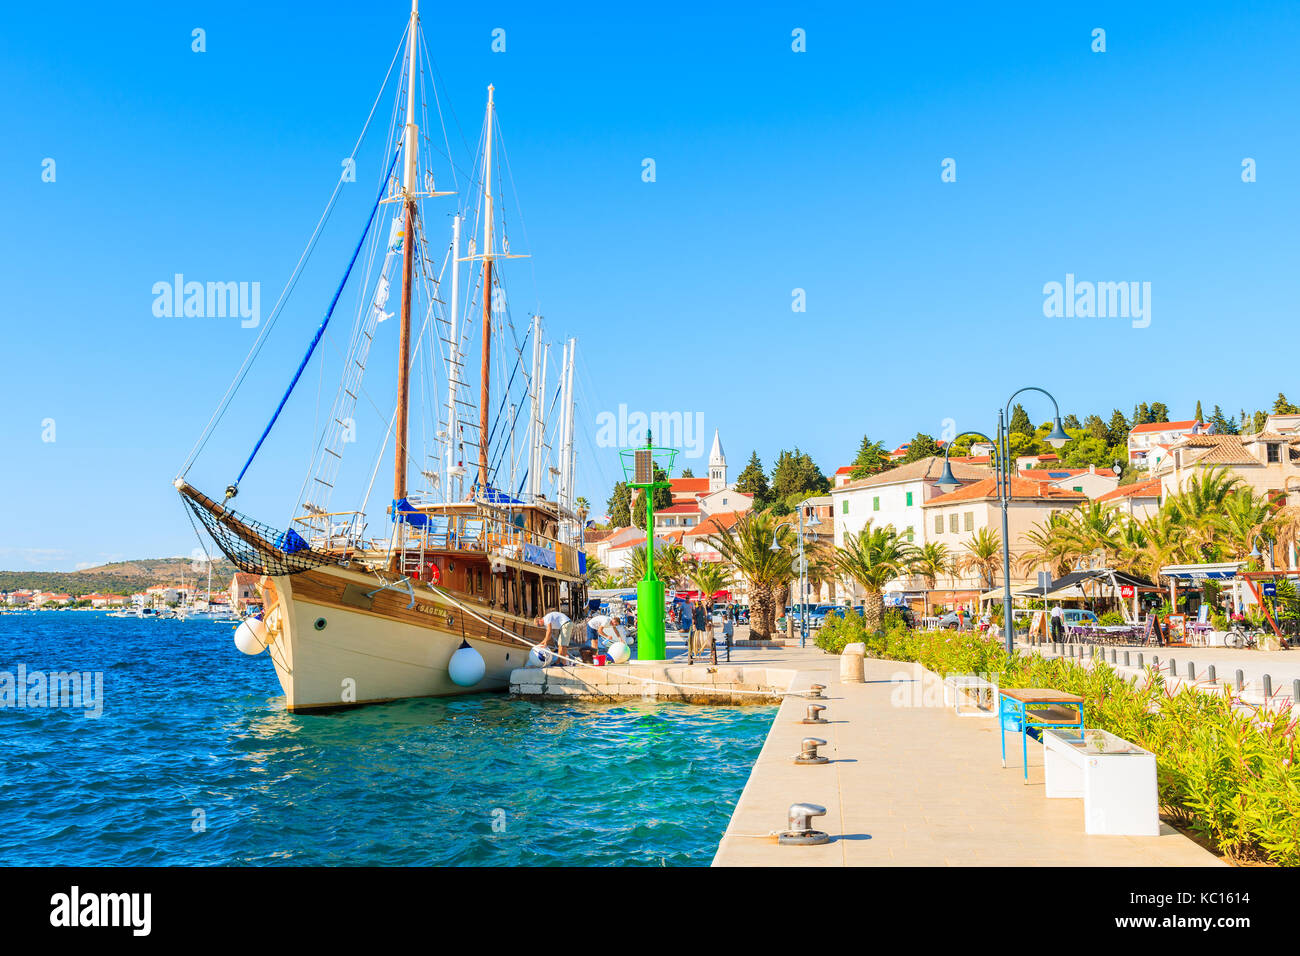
<point>1002,467</point>
<point>813,522</point>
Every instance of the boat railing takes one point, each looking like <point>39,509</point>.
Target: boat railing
<point>333,531</point>
<point>422,532</point>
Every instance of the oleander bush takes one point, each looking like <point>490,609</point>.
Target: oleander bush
<point>1226,770</point>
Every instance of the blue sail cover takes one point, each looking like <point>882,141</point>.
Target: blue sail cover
<point>412,517</point>
<point>290,541</point>
<point>495,496</point>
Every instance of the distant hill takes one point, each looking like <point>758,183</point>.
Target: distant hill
<point>120,577</point>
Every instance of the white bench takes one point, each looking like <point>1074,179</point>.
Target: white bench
<point>1116,779</point>
<point>977,695</point>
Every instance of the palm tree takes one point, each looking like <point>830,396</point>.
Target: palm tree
<point>670,563</point>
<point>932,560</point>
<point>1049,546</point>
<point>983,555</point>
<point>872,558</point>
<point>747,548</point>
<point>1091,527</point>
<point>1198,510</point>
<point>1245,518</point>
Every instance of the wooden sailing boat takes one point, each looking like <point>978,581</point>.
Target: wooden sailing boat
<point>349,619</point>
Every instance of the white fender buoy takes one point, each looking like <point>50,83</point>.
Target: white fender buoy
<point>540,657</point>
<point>619,652</point>
<point>250,636</point>
<point>466,667</point>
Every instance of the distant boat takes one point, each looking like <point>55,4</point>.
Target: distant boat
<point>351,618</point>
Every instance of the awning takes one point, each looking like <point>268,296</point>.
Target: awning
<point>1071,585</point>
<point>1203,572</point>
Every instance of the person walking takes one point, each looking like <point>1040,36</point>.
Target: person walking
<point>1058,622</point>
<point>699,621</point>
<point>728,633</point>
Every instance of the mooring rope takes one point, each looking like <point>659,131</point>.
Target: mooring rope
<point>646,680</point>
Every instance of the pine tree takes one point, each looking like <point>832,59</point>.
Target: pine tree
<point>1222,423</point>
<point>1159,412</point>
<point>619,506</point>
<point>1095,426</point>
<point>796,474</point>
<point>922,446</point>
<point>1118,429</point>
<point>1020,421</point>
<point>1200,416</point>
<point>752,481</point>
<point>870,459</point>
<point>1070,421</point>
<point>1142,414</point>
<point>1282,407</point>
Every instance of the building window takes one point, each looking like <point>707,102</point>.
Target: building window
<point>846,505</point>
<point>970,521</point>
<point>875,504</point>
<point>952,522</point>
<point>1274,453</point>
<point>909,499</point>
<point>938,524</point>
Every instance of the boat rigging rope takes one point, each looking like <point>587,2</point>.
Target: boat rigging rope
<point>704,688</point>
<point>233,489</point>
<point>224,405</point>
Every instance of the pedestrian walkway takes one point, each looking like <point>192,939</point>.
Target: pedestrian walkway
<point>915,785</point>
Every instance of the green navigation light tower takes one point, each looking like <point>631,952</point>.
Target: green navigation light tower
<point>640,469</point>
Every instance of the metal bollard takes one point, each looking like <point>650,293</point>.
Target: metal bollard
<point>1295,692</point>
<point>1191,670</point>
<point>1241,681</point>
<point>1126,658</point>
<point>799,831</point>
<point>814,714</point>
<point>1268,687</point>
<point>1139,660</point>
<point>808,754</point>
<point>1114,656</point>
<point>1173,667</point>
<point>1209,674</point>
<point>815,691</point>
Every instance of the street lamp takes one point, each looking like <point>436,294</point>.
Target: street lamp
<point>813,522</point>
<point>1002,470</point>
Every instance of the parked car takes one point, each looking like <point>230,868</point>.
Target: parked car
<point>1074,615</point>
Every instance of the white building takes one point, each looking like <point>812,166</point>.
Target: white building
<point>1142,439</point>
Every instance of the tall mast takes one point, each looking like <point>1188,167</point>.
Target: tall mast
<point>408,248</point>
<point>453,370</point>
<point>485,363</point>
<point>535,431</point>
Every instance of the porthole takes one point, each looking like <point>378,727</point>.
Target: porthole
<point>320,624</point>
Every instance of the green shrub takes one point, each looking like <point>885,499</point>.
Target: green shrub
<point>1112,617</point>
<point>1225,770</point>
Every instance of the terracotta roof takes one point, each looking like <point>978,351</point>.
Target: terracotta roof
<point>689,486</point>
<point>843,469</point>
<point>972,459</point>
<point>1166,426</point>
<point>1221,450</point>
<point>1020,488</point>
<point>714,524</point>
<point>597,535</point>
<point>1140,489</point>
<point>926,469</point>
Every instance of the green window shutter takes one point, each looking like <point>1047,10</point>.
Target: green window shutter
<point>846,505</point>
<point>875,504</point>
<point>909,499</point>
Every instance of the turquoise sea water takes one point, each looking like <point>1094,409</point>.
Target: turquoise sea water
<point>195,762</point>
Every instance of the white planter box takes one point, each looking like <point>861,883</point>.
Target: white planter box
<point>1116,779</point>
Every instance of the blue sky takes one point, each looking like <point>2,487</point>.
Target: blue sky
<point>775,171</point>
